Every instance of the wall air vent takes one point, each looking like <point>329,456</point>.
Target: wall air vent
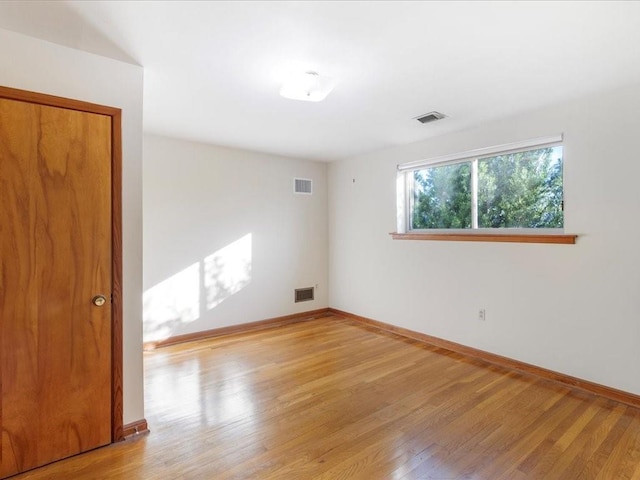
<point>303,294</point>
<point>430,117</point>
<point>303,186</point>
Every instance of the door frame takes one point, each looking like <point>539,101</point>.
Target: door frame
<point>117,429</point>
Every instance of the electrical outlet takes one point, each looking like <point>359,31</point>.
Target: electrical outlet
<point>482,314</point>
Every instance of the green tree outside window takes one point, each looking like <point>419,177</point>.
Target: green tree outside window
<point>517,190</point>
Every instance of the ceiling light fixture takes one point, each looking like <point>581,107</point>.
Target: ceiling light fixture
<point>308,86</point>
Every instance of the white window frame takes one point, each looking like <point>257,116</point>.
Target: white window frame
<point>404,186</point>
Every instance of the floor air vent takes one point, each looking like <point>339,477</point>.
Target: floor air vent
<point>303,294</point>
<point>303,185</point>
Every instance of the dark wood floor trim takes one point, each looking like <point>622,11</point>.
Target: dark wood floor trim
<point>135,428</point>
<point>585,385</point>
<point>242,328</point>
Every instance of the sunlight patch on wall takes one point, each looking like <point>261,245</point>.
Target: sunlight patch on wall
<point>185,296</point>
<point>171,303</point>
<point>227,271</point>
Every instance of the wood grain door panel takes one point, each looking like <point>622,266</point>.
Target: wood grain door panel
<point>55,234</point>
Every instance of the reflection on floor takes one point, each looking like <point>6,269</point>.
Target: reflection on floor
<point>331,399</point>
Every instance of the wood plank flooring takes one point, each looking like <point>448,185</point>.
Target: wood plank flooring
<point>332,399</point>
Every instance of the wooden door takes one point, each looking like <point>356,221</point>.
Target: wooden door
<point>56,255</point>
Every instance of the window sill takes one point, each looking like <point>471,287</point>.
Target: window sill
<point>487,237</point>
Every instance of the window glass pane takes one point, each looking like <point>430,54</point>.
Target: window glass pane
<point>521,190</point>
<point>442,197</point>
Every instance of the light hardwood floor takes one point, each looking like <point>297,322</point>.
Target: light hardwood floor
<point>332,399</point>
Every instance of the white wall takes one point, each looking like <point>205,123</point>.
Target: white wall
<point>236,211</point>
<point>35,65</point>
<point>570,308</point>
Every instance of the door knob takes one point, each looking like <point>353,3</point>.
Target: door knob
<point>99,300</point>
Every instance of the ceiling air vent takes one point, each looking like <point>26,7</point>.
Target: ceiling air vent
<point>430,117</point>
<point>303,185</point>
<point>303,294</point>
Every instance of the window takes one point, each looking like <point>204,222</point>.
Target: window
<point>516,190</point>
<point>493,190</point>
